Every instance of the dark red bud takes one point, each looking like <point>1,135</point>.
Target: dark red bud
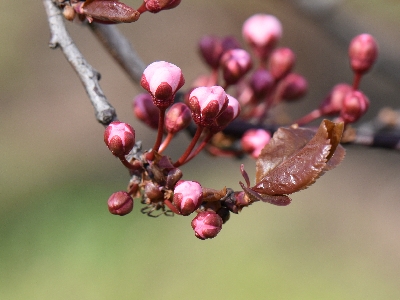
<point>145,110</point>
<point>120,203</point>
<point>294,86</point>
<point>355,105</point>
<point>207,224</point>
<point>261,83</point>
<point>363,51</point>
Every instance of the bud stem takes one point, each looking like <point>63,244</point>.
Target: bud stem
<point>200,147</point>
<point>316,113</point>
<point>189,149</point>
<point>166,142</point>
<point>126,163</point>
<point>160,132</point>
<point>356,80</point>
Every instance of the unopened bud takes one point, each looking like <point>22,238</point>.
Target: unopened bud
<point>211,50</point>
<point>363,51</point>
<point>355,105</point>
<point>254,140</point>
<point>230,113</point>
<point>281,62</point>
<point>162,80</point>
<point>119,138</point>
<point>188,196</point>
<point>206,104</point>
<point>155,6</point>
<point>120,203</point>
<point>145,110</point>
<point>235,64</point>
<point>293,86</point>
<point>262,33</point>
<point>261,83</point>
<point>333,103</point>
<point>207,224</point>
<point>177,118</point>
<point>69,12</point>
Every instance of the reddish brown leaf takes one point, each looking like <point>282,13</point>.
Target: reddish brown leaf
<point>296,157</point>
<point>109,11</point>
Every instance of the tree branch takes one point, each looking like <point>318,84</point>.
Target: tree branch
<point>120,49</point>
<point>89,77</point>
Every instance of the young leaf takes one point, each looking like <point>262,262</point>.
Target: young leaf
<point>296,157</point>
<point>109,11</point>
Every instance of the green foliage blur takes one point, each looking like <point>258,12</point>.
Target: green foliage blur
<point>339,239</point>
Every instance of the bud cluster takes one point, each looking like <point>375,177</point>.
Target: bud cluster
<point>208,111</point>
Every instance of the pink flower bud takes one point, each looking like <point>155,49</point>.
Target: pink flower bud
<point>244,93</point>
<point>281,62</point>
<point>162,80</point>
<point>355,105</point>
<point>262,32</point>
<point>155,6</point>
<point>145,110</point>
<point>188,196</point>
<point>229,43</point>
<point>120,203</point>
<point>119,138</point>
<point>230,113</point>
<point>207,103</point>
<point>235,64</point>
<point>294,86</point>
<point>177,118</point>
<point>261,83</point>
<point>211,50</point>
<point>333,103</point>
<point>207,224</point>
<point>212,47</point>
<point>363,51</point>
<point>254,140</point>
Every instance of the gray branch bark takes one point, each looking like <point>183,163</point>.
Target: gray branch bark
<point>89,77</point>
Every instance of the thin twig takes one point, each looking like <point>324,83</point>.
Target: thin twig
<point>120,49</point>
<point>89,77</point>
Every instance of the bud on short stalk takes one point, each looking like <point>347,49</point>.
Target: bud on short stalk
<point>254,140</point>
<point>262,32</point>
<point>230,113</point>
<point>211,49</point>
<point>145,110</point>
<point>355,105</point>
<point>281,62</point>
<point>333,103</point>
<point>120,203</point>
<point>119,138</point>
<point>363,51</point>
<point>162,80</point>
<point>177,118</point>
<point>235,64</point>
<point>206,104</point>
<point>188,196</point>
<point>293,86</point>
<point>207,224</point>
<point>155,6</point>
<point>261,83</point>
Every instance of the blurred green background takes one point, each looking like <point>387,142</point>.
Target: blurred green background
<point>339,239</point>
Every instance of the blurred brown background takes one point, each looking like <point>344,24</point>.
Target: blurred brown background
<point>339,239</point>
